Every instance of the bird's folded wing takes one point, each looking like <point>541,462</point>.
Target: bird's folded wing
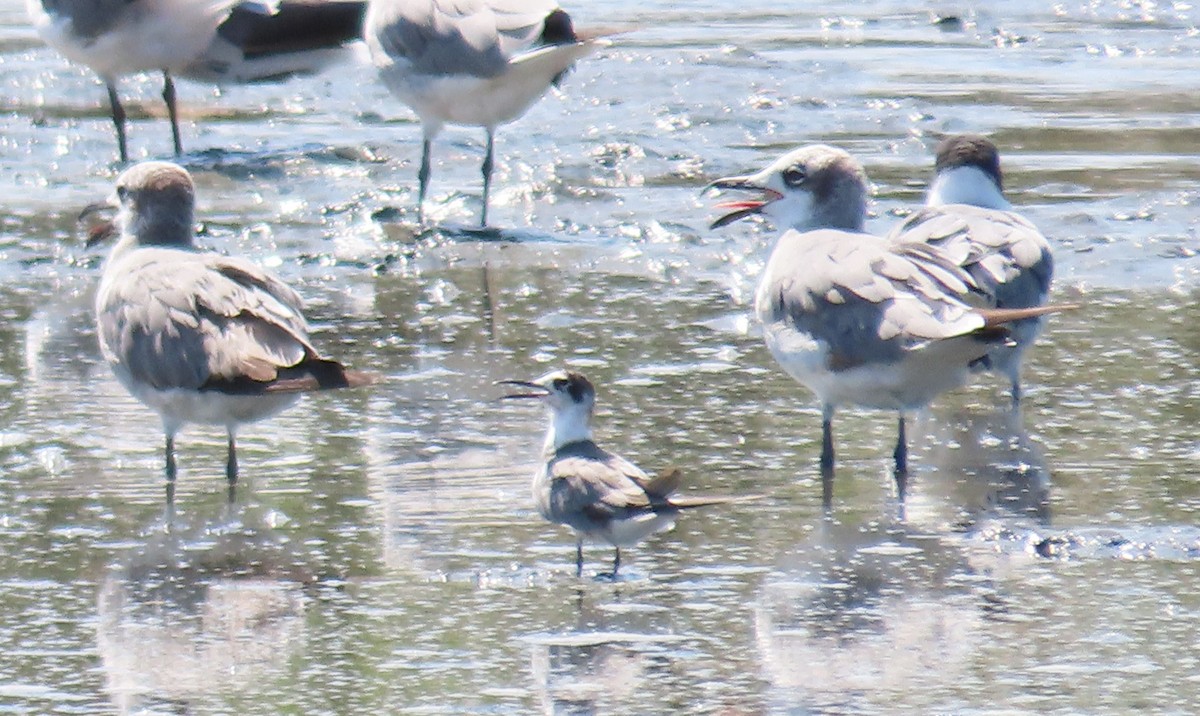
<point>449,37</point>
<point>868,300</point>
<point>599,488</point>
<point>182,320</point>
<point>996,247</point>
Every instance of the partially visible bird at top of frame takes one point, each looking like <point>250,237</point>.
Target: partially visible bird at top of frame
<point>219,40</point>
<point>479,63</point>
<point>196,336</point>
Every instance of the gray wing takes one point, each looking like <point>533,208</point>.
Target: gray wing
<point>867,299</point>
<point>590,486</point>
<point>444,37</point>
<point>1007,256</point>
<point>180,319</point>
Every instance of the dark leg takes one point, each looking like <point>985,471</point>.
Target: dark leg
<point>901,456</point>
<point>169,98</point>
<point>170,452</point>
<point>423,180</point>
<point>827,457</point>
<point>579,558</point>
<point>1016,393</point>
<point>118,118</point>
<point>616,561</point>
<point>231,465</point>
<point>487,176</point>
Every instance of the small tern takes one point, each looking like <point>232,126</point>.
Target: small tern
<point>599,494</point>
<point>196,336</point>
<point>479,63</point>
<point>858,319</point>
<point>967,216</point>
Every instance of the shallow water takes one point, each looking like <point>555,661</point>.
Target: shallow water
<point>383,554</point>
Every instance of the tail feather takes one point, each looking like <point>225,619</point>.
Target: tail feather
<point>999,316</point>
<point>687,503</point>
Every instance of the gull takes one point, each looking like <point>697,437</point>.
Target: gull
<point>858,319</point>
<point>478,63</point>
<point>196,336</point>
<point>301,37</point>
<point>597,493</point>
<point>967,216</point>
<point>216,40</point>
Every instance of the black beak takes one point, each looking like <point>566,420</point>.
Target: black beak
<point>532,390</point>
<point>741,209</point>
<point>102,229</point>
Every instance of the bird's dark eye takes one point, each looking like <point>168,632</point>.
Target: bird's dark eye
<point>560,383</point>
<point>794,176</point>
<point>122,193</point>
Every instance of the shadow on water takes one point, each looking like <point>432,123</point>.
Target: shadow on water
<point>200,607</point>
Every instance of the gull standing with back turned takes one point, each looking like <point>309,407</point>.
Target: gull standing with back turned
<point>479,63</point>
<point>856,318</point>
<point>196,336</point>
<point>967,216</point>
<point>599,494</point>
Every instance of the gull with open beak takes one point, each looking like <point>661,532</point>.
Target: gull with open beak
<point>858,319</point>
<point>599,494</point>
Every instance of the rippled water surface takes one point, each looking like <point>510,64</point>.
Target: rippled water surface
<point>383,554</point>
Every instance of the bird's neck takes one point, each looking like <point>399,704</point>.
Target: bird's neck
<point>571,425</point>
<point>966,185</point>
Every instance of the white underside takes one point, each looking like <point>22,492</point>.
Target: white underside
<point>628,532</point>
<point>908,384</point>
<point>178,407</point>
<point>479,101</point>
<point>166,35</point>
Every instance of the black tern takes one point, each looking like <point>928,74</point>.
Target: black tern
<point>598,494</point>
<point>858,319</point>
<point>480,63</point>
<point>196,336</point>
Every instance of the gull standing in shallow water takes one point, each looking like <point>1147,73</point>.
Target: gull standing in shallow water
<point>198,337</point>
<point>121,37</point>
<point>967,216</point>
<point>479,63</point>
<point>856,318</point>
<point>597,493</point>
<point>212,40</point>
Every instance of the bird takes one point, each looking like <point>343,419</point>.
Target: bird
<point>967,216</point>
<point>301,37</point>
<point>217,40</point>
<point>478,63</point>
<point>858,319</point>
<point>196,336</point>
<point>597,493</point>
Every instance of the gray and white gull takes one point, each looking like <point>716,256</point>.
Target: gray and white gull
<point>597,493</point>
<point>479,63</point>
<point>196,336</point>
<point>218,40</point>
<point>967,216</point>
<point>858,319</point>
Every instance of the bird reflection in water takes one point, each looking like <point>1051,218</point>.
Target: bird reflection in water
<point>197,610</point>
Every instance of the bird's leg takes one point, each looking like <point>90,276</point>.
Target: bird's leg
<point>616,561</point>
<point>170,453</point>
<point>487,175</point>
<point>1016,393</point>
<point>579,557</point>
<point>118,118</point>
<point>423,179</point>
<point>168,95</point>
<point>231,464</point>
<point>901,456</point>
<point>827,456</point>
